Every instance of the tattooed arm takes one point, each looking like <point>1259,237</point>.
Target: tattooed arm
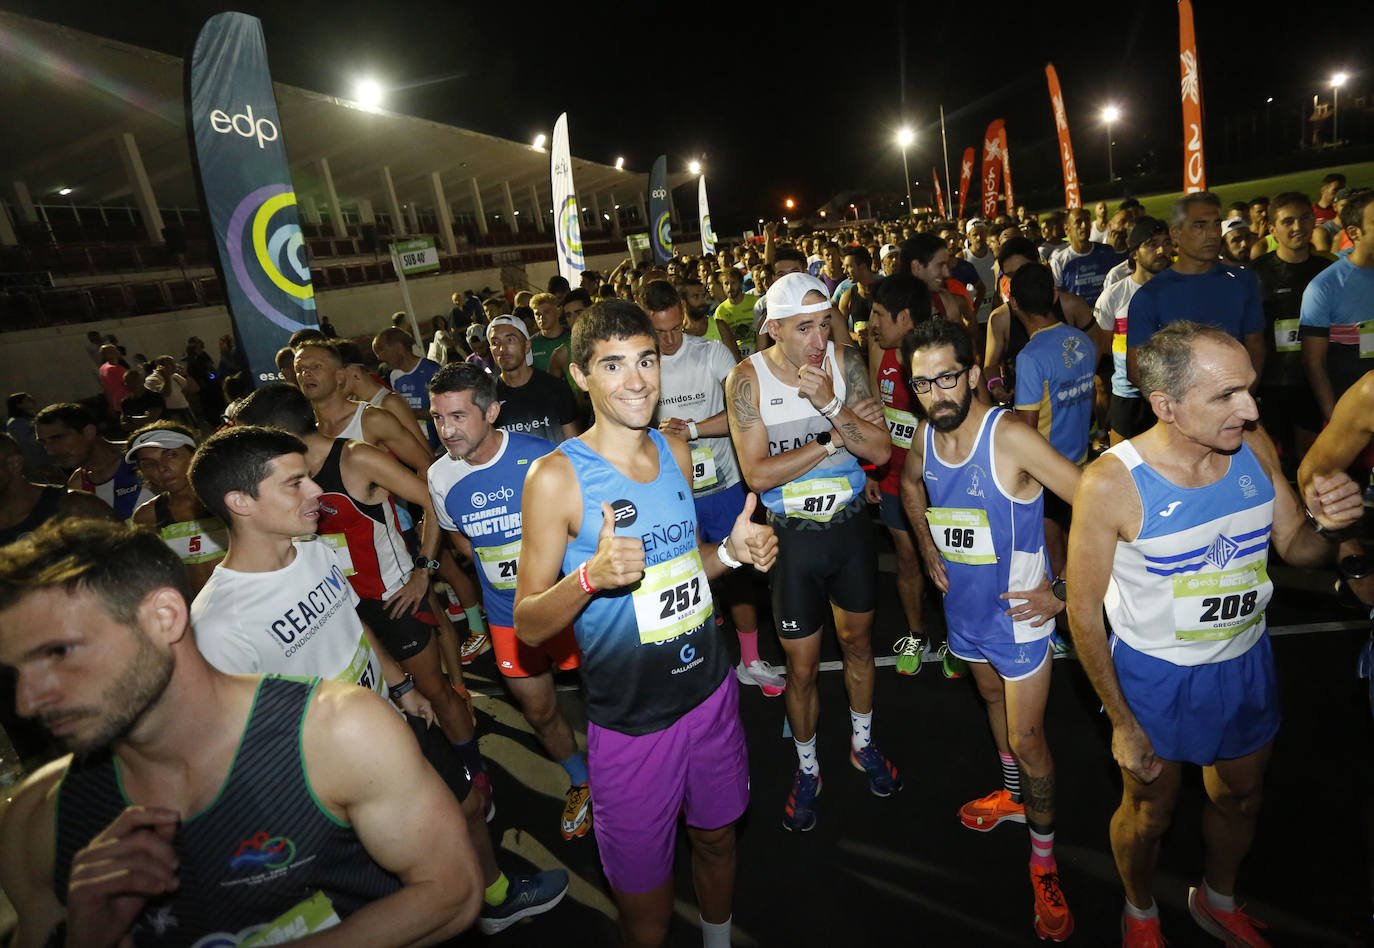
<point>860,422</point>
<point>761,469</point>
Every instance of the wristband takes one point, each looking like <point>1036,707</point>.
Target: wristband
<point>725,558</point>
<point>995,378</point>
<point>692,434</point>
<point>833,407</point>
<point>398,692</point>
<point>587,587</point>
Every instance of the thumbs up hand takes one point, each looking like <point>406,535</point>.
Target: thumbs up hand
<point>751,542</point>
<point>618,561</point>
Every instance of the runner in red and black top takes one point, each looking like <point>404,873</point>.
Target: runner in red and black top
<point>899,303</point>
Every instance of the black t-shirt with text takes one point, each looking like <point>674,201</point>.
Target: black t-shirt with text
<point>540,407</point>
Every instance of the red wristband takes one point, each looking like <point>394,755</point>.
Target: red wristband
<point>587,587</point>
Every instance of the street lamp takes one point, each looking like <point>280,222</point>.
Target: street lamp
<point>1337,81</point>
<point>1109,115</point>
<point>369,93</point>
<point>905,137</point>
<point>694,166</point>
<point>789,204</point>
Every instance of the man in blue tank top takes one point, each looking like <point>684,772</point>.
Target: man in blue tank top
<point>802,416</point>
<point>612,512</point>
<point>1172,534</point>
<point>973,487</point>
<point>200,806</point>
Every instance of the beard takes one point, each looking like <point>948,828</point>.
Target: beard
<point>134,690</point>
<point>949,420</point>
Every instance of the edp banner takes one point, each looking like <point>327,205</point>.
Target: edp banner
<point>661,234</point>
<point>245,187</point>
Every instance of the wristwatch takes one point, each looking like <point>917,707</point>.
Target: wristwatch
<point>422,562</point>
<point>1060,589</point>
<point>823,439</point>
<point>1326,533</point>
<point>1355,566</point>
<point>398,692</point>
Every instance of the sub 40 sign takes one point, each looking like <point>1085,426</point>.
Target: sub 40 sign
<point>417,256</point>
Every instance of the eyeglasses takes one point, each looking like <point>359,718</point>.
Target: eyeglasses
<point>946,381</point>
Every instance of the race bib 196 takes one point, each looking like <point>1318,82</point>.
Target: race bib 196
<point>1217,606</point>
<point>338,542</point>
<point>498,564</point>
<point>962,534</point>
<point>1286,335</point>
<point>703,468</point>
<point>901,425</point>
<point>817,498</point>
<point>672,599</point>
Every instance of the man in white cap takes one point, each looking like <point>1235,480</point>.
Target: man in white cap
<point>532,401</point>
<point>800,440</point>
<point>889,257</point>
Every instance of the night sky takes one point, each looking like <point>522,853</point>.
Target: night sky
<point>805,106</point>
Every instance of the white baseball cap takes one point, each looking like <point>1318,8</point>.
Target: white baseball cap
<point>164,438</point>
<point>517,323</point>
<point>786,297</point>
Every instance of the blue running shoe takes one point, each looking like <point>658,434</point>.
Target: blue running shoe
<point>799,815</point>
<point>527,896</point>
<point>882,776</point>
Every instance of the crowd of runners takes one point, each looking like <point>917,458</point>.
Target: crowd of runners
<point>1081,433</point>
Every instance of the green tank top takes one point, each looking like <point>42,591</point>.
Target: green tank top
<point>542,348</point>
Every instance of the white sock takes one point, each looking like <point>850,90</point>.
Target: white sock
<point>1144,914</point>
<point>806,757</point>
<point>1222,903</point>
<point>715,934</point>
<point>862,726</point>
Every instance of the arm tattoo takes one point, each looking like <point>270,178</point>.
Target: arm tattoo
<point>746,412</point>
<point>851,432</point>
<point>855,379</point>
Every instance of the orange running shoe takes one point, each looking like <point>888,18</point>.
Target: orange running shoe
<point>1053,920</point>
<point>997,807</point>
<point>1141,932</point>
<point>1235,928</point>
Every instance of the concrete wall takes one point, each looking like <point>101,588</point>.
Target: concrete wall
<point>52,364</point>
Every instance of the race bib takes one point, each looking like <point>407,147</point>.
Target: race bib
<point>901,425</point>
<point>362,670</point>
<point>1218,606</point>
<point>1367,339</point>
<point>498,564</point>
<point>315,914</point>
<point>338,542</point>
<point>197,541</point>
<point>962,535</point>
<point>1286,336</point>
<point>703,468</point>
<point>817,498</point>
<point>672,599</point>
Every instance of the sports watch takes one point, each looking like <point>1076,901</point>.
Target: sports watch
<point>423,562</point>
<point>823,439</point>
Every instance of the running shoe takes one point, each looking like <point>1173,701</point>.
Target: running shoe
<point>952,665</point>
<point>882,775</point>
<point>1141,932</point>
<point>995,808</point>
<point>1061,646</point>
<point>527,896</point>
<point>1053,920</point>
<point>759,672</point>
<point>475,644</point>
<point>909,649</point>
<point>1235,928</point>
<point>577,812</point>
<point>799,815</point>
<point>481,784</point>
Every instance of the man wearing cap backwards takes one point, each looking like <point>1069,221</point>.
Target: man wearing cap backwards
<point>890,257</point>
<point>532,402</point>
<point>1236,238</point>
<point>1151,251</point>
<point>612,512</point>
<point>162,453</point>
<point>1197,287</point>
<point>973,489</point>
<point>799,441</point>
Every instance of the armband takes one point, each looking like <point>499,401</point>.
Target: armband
<point>582,580</point>
<point>995,378</point>
<point>692,434</point>
<point>725,558</point>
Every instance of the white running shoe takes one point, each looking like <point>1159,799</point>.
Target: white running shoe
<point>760,673</point>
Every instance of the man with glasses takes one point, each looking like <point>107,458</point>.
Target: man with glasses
<point>980,530</point>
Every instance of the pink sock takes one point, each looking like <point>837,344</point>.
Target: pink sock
<point>748,647</point>
<point>1042,849</point>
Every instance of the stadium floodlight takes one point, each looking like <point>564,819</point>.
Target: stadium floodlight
<point>64,191</point>
<point>1337,81</point>
<point>694,166</point>
<point>904,138</point>
<point>1109,115</point>
<point>539,141</point>
<point>368,93</point>
<point>620,164</point>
